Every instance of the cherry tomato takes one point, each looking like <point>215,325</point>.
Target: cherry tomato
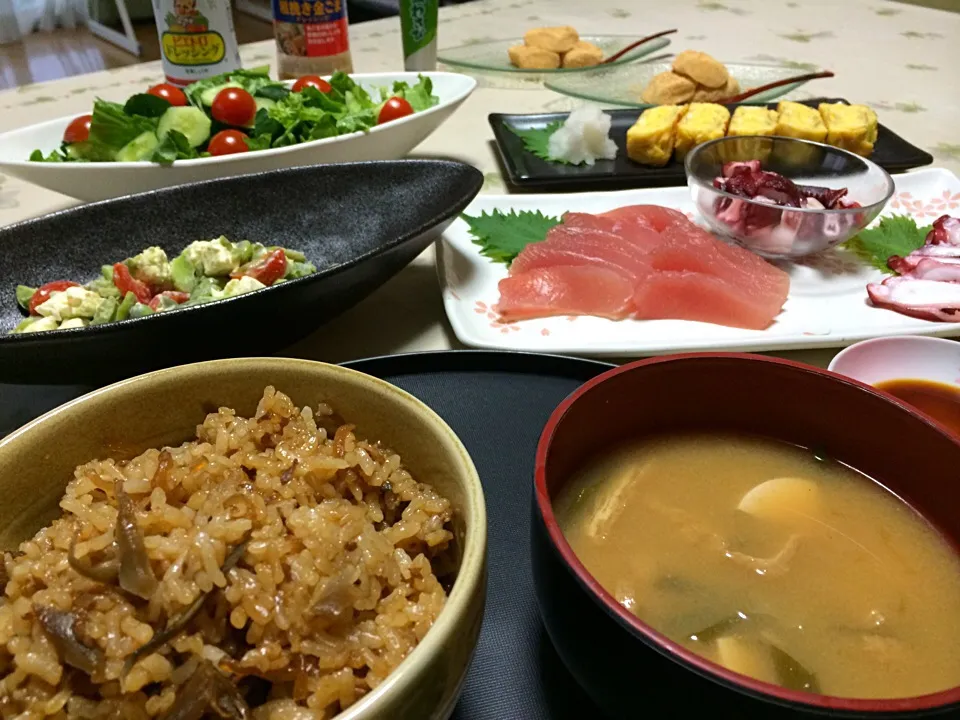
<point>171,93</point>
<point>314,81</point>
<point>175,295</point>
<point>234,106</point>
<point>394,109</point>
<point>125,282</point>
<point>78,130</point>
<point>44,292</point>
<point>228,142</point>
<point>268,269</point>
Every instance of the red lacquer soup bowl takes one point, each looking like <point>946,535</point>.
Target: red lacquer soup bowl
<point>630,669</point>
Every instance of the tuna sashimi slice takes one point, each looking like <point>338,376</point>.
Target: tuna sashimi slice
<point>589,221</point>
<point>565,290</point>
<point>693,249</point>
<point>653,217</point>
<point>641,239</point>
<point>579,246</point>
<point>685,295</point>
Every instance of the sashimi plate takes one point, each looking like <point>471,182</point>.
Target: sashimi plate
<point>827,305</point>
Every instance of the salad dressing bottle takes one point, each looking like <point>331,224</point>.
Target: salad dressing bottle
<point>312,37</point>
<point>197,39</point>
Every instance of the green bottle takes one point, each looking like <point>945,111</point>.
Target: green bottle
<point>418,26</point>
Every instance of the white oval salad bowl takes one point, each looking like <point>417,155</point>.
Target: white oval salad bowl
<point>91,181</point>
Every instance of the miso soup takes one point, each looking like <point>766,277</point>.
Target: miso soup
<point>774,563</point>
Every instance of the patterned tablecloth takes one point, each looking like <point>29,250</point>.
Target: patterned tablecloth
<point>900,59</point>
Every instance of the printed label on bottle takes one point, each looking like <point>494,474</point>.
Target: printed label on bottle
<point>197,39</point>
<point>311,29</point>
<point>206,48</point>
<point>418,24</point>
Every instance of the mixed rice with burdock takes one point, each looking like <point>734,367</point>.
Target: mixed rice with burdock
<point>275,568</point>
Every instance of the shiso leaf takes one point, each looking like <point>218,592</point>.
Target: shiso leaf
<point>895,235</point>
<point>537,140</point>
<point>501,236</point>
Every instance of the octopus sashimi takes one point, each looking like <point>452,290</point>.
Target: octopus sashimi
<point>928,283</point>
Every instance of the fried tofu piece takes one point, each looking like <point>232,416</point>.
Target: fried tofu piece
<point>753,121</point>
<point>651,139</point>
<point>797,120</point>
<point>703,122</point>
<point>555,39</point>
<point>533,58</point>
<point>583,54</point>
<point>851,127</point>
<point>668,88</point>
<point>705,94</point>
<point>701,68</point>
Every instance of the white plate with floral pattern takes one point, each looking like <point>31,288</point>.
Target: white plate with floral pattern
<point>827,305</point>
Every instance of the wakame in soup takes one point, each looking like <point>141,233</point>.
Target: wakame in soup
<point>756,554</point>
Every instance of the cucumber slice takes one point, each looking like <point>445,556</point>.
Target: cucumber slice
<point>184,274</point>
<point>87,151</point>
<point>140,148</point>
<point>140,310</point>
<point>107,312</point>
<point>264,103</point>
<point>24,295</point>
<point>208,95</point>
<point>192,122</point>
<point>123,310</point>
<point>36,324</point>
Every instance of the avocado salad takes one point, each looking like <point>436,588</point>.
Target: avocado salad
<point>236,112</point>
<point>150,283</point>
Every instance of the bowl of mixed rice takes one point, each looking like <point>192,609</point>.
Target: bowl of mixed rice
<point>262,539</point>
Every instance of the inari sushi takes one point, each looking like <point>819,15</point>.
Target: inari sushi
<point>651,139</point>
<point>702,123</point>
<point>851,127</point>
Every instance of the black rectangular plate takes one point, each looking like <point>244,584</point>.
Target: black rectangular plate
<point>526,171</point>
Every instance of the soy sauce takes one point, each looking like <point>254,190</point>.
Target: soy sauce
<point>938,400</point>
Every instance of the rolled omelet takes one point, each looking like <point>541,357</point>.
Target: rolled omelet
<point>748,123</point>
<point>797,120</point>
<point>753,121</point>
<point>651,139</point>
<point>702,122</point>
<point>851,127</point>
